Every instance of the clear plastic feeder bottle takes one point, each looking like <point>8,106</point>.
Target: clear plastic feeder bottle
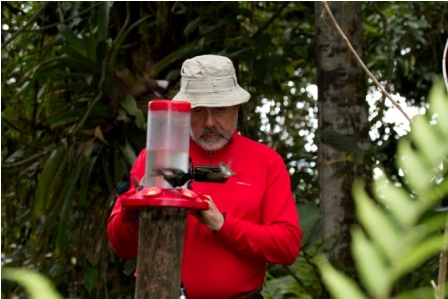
<point>167,141</point>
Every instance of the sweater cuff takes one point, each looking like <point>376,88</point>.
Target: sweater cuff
<point>224,216</point>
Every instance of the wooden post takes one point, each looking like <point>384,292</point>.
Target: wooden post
<point>161,237</point>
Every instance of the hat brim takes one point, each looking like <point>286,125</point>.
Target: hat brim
<point>214,99</point>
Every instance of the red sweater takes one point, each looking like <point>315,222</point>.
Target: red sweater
<point>261,224</point>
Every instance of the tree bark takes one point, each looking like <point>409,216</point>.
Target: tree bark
<point>161,238</point>
<point>342,109</point>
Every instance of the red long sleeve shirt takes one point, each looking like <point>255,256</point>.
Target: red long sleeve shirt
<point>261,223</point>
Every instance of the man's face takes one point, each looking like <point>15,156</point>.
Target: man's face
<point>212,127</point>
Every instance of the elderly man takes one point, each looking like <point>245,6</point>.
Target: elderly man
<point>252,218</point>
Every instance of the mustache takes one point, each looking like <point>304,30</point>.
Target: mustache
<point>213,130</point>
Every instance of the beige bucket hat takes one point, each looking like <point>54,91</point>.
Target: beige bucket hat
<point>210,81</point>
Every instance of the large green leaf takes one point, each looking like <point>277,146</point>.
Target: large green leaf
<point>418,254</point>
<point>371,264</point>
<point>416,169</point>
<point>405,210</point>
<point>47,177</point>
<point>439,108</point>
<point>379,227</point>
<point>36,285</point>
<point>71,37</point>
<point>69,117</point>
<point>67,199</point>
<point>340,286</point>
<point>172,57</point>
<point>427,140</point>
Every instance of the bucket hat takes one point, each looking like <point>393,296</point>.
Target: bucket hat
<point>210,81</point>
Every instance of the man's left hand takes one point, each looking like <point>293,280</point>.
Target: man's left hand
<point>212,217</point>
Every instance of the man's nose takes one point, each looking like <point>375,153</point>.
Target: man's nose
<point>209,119</point>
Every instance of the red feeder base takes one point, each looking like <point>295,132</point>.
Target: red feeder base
<point>157,197</point>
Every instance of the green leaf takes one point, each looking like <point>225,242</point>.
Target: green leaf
<point>46,178</point>
<point>415,169</point>
<point>416,255</point>
<point>90,278</point>
<point>193,25</point>
<point>36,285</point>
<point>71,37</point>
<point>341,286</point>
<point>82,65</point>
<point>69,187</point>
<point>128,152</point>
<point>103,20</point>
<point>130,105</point>
<point>172,57</point>
<point>377,224</point>
<point>86,174</point>
<point>420,293</point>
<point>371,265</point>
<point>438,105</point>
<point>90,47</point>
<point>405,210</point>
<point>68,117</point>
<point>427,141</point>
<point>311,222</point>
<point>342,144</point>
<point>73,52</point>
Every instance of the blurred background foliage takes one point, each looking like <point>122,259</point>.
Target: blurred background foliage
<point>76,80</point>
<point>401,230</point>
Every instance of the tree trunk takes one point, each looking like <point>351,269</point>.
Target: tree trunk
<point>161,238</point>
<point>342,109</point>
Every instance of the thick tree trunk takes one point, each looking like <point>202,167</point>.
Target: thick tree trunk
<point>342,109</point>
<point>161,239</point>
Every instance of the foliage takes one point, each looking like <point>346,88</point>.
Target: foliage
<point>403,228</point>
<point>76,80</point>
<point>36,285</point>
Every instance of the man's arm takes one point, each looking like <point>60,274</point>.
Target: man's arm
<point>122,226</point>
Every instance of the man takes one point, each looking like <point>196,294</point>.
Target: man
<point>252,218</point>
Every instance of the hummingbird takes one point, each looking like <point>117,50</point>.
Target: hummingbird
<point>175,177</point>
<point>225,170</point>
<point>123,186</point>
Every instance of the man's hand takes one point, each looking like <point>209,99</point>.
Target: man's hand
<point>212,217</point>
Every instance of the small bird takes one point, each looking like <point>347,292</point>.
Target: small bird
<point>175,177</point>
<point>123,186</point>
<point>225,169</point>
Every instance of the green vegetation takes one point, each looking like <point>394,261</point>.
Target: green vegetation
<point>76,80</point>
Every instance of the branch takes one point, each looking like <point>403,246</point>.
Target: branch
<point>30,21</point>
<point>358,59</point>
<point>444,65</point>
<point>269,22</point>
<point>27,160</point>
<point>443,262</point>
<point>126,22</point>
